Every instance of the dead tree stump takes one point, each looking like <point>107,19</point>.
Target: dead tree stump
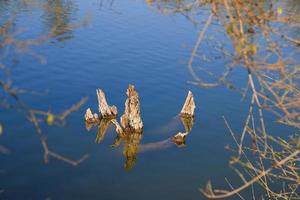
<point>179,139</point>
<point>105,110</point>
<point>188,108</point>
<point>91,118</point>
<point>187,118</point>
<point>131,119</point>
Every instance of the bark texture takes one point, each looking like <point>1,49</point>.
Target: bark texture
<point>105,110</point>
<point>179,139</point>
<point>131,119</point>
<point>90,117</point>
<point>188,108</point>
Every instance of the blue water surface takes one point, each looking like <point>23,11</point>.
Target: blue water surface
<point>128,42</point>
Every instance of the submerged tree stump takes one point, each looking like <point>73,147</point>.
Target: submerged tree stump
<point>188,108</point>
<point>91,118</point>
<point>130,128</point>
<point>179,139</point>
<point>131,119</point>
<point>187,118</point>
<point>105,110</point>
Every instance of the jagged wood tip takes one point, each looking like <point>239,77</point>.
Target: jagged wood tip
<point>91,118</point>
<point>131,119</point>
<point>189,106</point>
<point>105,110</point>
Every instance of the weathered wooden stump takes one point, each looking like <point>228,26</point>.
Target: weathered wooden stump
<point>91,118</point>
<point>130,128</point>
<point>188,108</point>
<point>105,110</point>
<point>131,122</point>
<point>187,118</point>
<point>131,119</point>
<point>179,139</point>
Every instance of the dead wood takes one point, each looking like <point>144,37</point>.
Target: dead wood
<point>105,110</point>
<point>188,108</point>
<point>131,119</point>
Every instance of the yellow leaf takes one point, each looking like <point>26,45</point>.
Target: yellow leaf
<point>252,48</point>
<point>279,10</point>
<point>50,119</point>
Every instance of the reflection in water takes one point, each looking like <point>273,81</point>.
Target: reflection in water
<point>172,125</point>
<point>155,146</point>
<point>179,138</point>
<point>188,123</point>
<point>131,148</point>
<point>57,15</point>
<point>131,141</point>
<point>102,128</point>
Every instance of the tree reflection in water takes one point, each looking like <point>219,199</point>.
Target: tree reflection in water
<point>58,19</point>
<point>60,27</point>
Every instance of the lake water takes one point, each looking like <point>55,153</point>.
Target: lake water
<point>128,42</point>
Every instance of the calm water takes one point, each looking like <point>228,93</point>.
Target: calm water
<point>126,43</point>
